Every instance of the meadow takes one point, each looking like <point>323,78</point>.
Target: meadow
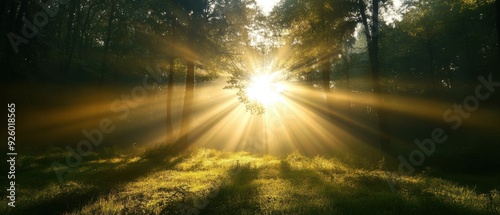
<point>154,180</point>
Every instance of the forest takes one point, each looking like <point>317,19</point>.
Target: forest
<point>250,106</point>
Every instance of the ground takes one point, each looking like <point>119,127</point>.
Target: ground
<point>207,181</point>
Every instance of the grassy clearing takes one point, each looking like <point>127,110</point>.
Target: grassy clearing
<point>213,182</point>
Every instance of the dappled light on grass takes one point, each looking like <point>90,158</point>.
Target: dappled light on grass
<point>150,180</point>
<point>221,183</point>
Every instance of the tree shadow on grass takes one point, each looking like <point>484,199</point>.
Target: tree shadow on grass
<point>234,197</point>
<point>358,193</point>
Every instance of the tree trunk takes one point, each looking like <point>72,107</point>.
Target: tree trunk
<point>105,55</point>
<point>170,89</point>
<point>431,88</point>
<point>19,17</point>
<point>372,40</point>
<point>87,39</point>
<point>325,71</point>
<point>188,103</point>
<point>65,65</point>
<point>497,2</point>
<point>69,26</point>
<point>3,12</point>
<point>75,25</point>
<point>347,90</point>
<point>385,139</point>
<point>11,21</point>
<point>85,29</point>
<point>59,40</point>
<point>85,15</point>
<point>193,29</point>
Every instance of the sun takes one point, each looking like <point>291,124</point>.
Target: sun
<point>267,5</point>
<point>265,88</point>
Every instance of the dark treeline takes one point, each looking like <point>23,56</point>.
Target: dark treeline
<point>113,42</point>
<point>418,66</point>
<point>436,52</point>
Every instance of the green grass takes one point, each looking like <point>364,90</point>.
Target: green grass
<point>214,182</point>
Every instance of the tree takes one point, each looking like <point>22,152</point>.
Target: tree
<point>497,4</point>
<point>372,38</point>
<point>109,28</point>
<point>247,47</point>
<point>314,32</point>
<point>208,47</point>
